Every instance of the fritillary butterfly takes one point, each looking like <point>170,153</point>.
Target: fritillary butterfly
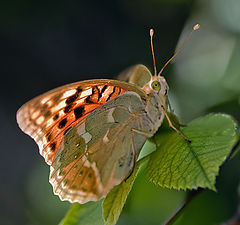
<point>91,132</point>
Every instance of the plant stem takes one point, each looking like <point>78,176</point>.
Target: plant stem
<point>173,218</point>
<point>236,218</point>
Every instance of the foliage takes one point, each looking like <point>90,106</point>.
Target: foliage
<point>87,214</point>
<point>174,164</point>
<point>115,200</point>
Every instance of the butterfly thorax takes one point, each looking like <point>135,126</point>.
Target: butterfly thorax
<point>154,111</point>
<point>157,91</point>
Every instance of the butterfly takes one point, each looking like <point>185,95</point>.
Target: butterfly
<point>90,132</point>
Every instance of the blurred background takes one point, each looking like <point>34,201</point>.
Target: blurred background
<point>45,44</point>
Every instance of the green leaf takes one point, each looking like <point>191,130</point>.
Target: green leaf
<point>147,149</point>
<point>182,165</point>
<point>115,200</point>
<point>87,214</point>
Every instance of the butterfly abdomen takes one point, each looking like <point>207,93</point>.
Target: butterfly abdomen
<point>153,116</point>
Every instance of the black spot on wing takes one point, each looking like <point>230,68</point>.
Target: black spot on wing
<point>62,123</point>
<point>67,130</point>
<point>56,117</point>
<point>102,91</point>
<point>62,172</point>
<point>78,112</point>
<point>48,136</point>
<point>130,159</point>
<point>166,91</point>
<point>66,182</point>
<point>71,98</point>
<point>53,146</point>
<point>81,173</point>
<point>89,100</point>
<point>79,89</point>
<point>68,108</point>
<point>110,95</point>
<point>94,97</point>
<point>121,162</point>
<point>83,189</point>
<point>44,107</point>
<point>119,91</point>
<point>47,114</point>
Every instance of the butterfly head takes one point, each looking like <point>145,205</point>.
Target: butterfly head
<point>157,92</point>
<point>157,85</point>
<point>157,89</point>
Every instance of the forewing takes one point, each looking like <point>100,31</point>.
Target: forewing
<point>138,75</point>
<point>48,117</point>
<point>100,151</point>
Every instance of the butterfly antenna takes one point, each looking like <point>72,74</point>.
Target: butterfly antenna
<point>153,55</point>
<point>197,26</point>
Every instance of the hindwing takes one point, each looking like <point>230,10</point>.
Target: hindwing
<point>100,151</point>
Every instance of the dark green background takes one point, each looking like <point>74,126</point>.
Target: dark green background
<point>45,44</point>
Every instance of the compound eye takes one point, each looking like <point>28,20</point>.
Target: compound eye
<point>156,85</point>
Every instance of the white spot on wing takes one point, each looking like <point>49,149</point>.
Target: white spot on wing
<point>87,137</point>
<point>80,196</point>
<point>105,138</point>
<point>68,93</point>
<point>50,103</point>
<point>86,162</point>
<point>81,129</point>
<point>44,100</point>
<point>40,120</point>
<point>86,92</point>
<point>80,101</point>
<point>35,115</point>
<point>110,118</point>
<point>61,105</point>
<point>97,175</point>
<point>83,133</point>
<point>49,123</point>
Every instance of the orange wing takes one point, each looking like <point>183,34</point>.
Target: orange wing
<point>48,117</point>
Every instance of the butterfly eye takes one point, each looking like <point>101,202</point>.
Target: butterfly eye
<point>156,85</point>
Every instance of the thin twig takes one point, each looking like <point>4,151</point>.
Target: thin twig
<point>235,220</point>
<point>180,209</point>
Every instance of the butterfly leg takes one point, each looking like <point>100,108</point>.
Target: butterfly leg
<point>146,133</point>
<point>169,106</point>
<point>172,112</point>
<point>134,157</point>
<point>174,128</point>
